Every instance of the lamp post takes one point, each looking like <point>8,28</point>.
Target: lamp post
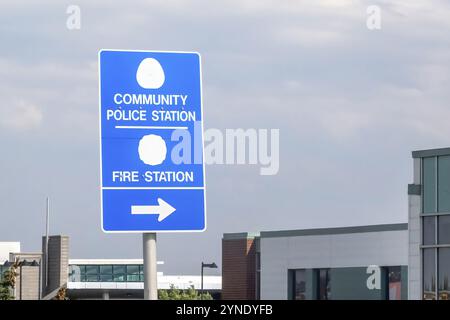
<point>206,265</point>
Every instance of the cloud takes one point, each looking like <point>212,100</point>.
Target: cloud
<point>350,105</point>
<point>64,93</point>
<point>20,115</point>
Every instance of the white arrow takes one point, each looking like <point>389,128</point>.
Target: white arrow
<point>163,209</point>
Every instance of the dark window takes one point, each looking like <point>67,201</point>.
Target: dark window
<point>444,229</point>
<point>92,273</point>
<point>323,284</point>
<point>119,269</point>
<point>394,275</point>
<point>119,278</point>
<point>444,184</point>
<point>429,230</point>
<point>141,273</point>
<point>429,276</point>
<point>106,277</point>
<point>133,273</point>
<point>91,269</point>
<point>299,286</point>
<point>429,185</point>
<point>92,277</point>
<point>444,273</point>
<point>119,273</point>
<point>106,269</point>
<point>106,273</point>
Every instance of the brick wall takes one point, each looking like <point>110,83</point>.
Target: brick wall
<point>238,269</point>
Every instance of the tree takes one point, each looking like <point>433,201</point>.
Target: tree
<point>61,294</point>
<point>177,294</point>
<point>8,282</point>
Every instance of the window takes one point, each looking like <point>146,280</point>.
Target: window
<point>436,227</point>
<point>106,273</point>
<point>77,273</point>
<point>429,185</point>
<point>444,273</point>
<point>106,270</point>
<point>133,273</point>
<point>444,184</point>
<point>429,230</point>
<point>444,229</point>
<point>92,273</point>
<point>429,276</point>
<point>299,285</point>
<point>394,276</point>
<point>141,273</point>
<point>119,273</point>
<point>323,284</point>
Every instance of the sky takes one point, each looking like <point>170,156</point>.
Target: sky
<point>350,103</point>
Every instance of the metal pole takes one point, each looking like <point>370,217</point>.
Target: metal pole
<point>47,229</point>
<point>40,280</point>
<point>150,278</point>
<point>21,281</point>
<point>201,286</point>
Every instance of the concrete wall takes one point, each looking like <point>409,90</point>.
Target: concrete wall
<point>27,285</point>
<point>414,261</point>
<point>28,276</point>
<point>279,254</point>
<point>58,262</point>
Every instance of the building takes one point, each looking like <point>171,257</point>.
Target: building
<point>364,262</point>
<point>87,278</point>
<point>429,225</point>
<point>240,259</point>
<point>28,280</point>
<point>124,279</point>
<point>6,248</point>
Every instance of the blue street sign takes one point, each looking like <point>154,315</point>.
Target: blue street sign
<point>151,138</point>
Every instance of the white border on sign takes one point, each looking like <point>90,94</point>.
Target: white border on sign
<point>100,137</point>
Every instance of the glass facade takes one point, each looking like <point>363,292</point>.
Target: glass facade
<point>429,277</point>
<point>394,276</point>
<point>347,283</point>
<point>436,227</point>
<point>429,231</point>
<point>106,273</point>
<point>299,287</point>
<point>444,273</point>
<point>429,185</point>
<point>323,284</point>
<point>443,183</point>
<point>2,270</point>
<point>444,229</point>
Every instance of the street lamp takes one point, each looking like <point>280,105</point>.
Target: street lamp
<point>206,265</point>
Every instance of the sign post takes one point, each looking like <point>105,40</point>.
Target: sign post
<point>150,272</point>
<point>151,140</point>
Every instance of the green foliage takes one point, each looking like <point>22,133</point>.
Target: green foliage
<point>8,282</point>
<point>5,293</point>
<point>177,294</point>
